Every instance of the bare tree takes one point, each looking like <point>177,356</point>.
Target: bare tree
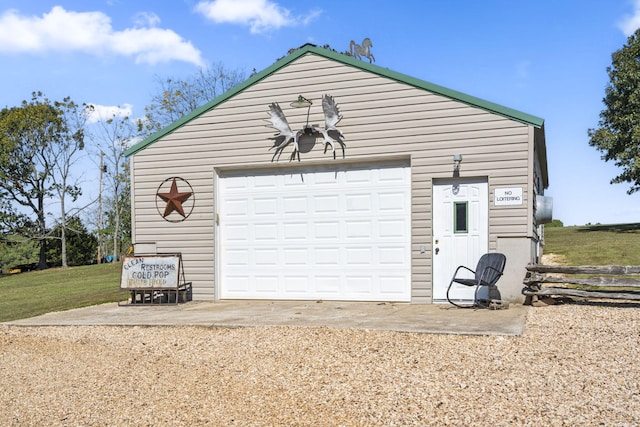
<point>114,135</point>
<point>64,156</point>
<point>177,98</point>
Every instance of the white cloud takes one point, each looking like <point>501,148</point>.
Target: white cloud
<point>143,19</point>
<point>92,33</point>
<point>106,112</point>
<point>259,15</point>
<point>631,23</point>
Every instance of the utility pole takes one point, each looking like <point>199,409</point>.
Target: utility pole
<point>100,211</point>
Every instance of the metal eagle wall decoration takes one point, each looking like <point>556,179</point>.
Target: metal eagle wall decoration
<point>285,136</point>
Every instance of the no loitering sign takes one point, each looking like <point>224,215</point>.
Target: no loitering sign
<point>507,196</point>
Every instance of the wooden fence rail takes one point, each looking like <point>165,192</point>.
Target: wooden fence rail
<point>538,275</point>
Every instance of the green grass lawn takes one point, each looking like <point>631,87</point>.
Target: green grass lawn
<point>37,292</point>
<point>596,244</point>
<point>617,244</point>
<point>31,294</point>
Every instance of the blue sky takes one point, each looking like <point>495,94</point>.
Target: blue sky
<point>547,58</point>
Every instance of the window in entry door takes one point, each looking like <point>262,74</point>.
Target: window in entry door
<point>460,217</point>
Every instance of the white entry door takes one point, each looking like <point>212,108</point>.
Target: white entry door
<point>460,233</point>
<point>326,232</point>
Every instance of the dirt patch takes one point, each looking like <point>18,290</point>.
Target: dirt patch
<point>554,259</point>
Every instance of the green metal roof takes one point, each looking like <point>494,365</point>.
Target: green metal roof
<point>347,60</point>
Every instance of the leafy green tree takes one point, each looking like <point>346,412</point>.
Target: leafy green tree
<point>177,98</point>
<point>26,168</point>
<point>555,223</point>
<point>36,139</point>
<point>81,245</point>
<point>618,131</point>
<point>16,250</point>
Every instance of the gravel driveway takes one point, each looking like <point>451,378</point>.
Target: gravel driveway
<point>576,364</point>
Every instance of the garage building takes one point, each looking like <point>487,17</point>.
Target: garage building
<point>428,179</point>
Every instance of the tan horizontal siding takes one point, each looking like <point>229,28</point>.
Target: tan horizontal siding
<point>154,230</point>
<point>440,151</point>
<point>470,136</point>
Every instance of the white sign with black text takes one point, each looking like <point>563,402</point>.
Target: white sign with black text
<point>507,196</point>
<point>154,271</point>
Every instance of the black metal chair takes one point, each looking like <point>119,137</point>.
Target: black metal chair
<point>489,269</point>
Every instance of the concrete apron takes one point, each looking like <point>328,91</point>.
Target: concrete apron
<point>401,317</point>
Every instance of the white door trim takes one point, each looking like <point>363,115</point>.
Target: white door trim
<point>216,237</point>
<point>453,245</point>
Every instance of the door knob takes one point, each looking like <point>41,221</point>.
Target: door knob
<point>437,250</point>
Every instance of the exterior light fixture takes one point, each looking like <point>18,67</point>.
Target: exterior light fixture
<point>301,102</point>
<point>457,159</point>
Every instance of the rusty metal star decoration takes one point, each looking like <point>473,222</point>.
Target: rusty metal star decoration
<point>174,199</point>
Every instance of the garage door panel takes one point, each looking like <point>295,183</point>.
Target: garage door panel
<point>359,286</point>
<point>236,182</point>
<point>237,285</point>
<point>362,176</point>
<point>265,206</point>
<point>292,180</point>
<point>390,202</point>
<point>326,205</point>
<point>237,257</point>
<point>361,256</point>
<point>265,231</point>
<point>237,233</point>
<point>359,203</point>
<point>295,284</point>
<point>296,256</point>
<point>266,182</point>
<point>295,231</point>
<point>327,256</point>
<point>359,229</point>
<point>325,179</point>
<point>321,233</point>
<point>391,175</point>
<point>236,208</point>
<point>392,228</point>
<point>326,230</point>
<point>266,257</point>
<point>267,285</point>
<point>392,255</point>
<point>328,285</point>
<point>295,205</point>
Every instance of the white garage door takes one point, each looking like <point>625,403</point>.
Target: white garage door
<point>334,233</point>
